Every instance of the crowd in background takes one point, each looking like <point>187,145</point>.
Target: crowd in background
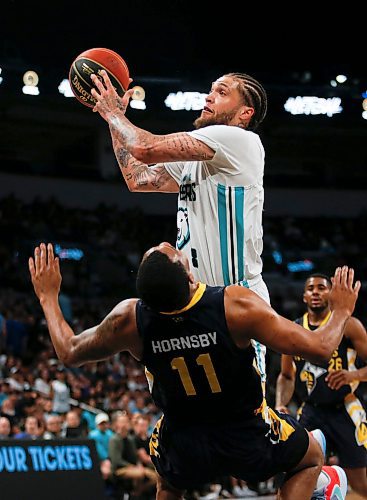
<point>100,252</point>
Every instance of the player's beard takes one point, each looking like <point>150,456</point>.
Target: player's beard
<point>215,119</point>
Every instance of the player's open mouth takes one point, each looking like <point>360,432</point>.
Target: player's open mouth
<point>207,110</point>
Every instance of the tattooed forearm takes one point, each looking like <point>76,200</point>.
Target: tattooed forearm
<point>150,148</point>
<point>160,177</point>
<point>140,177</point>
<point>123,157</point>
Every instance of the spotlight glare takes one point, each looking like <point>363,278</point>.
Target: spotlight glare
<point>65,89</point>
<point>30,90</point>
<point>138,104</point>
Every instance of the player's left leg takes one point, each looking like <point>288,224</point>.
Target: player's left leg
<point>300,481</point>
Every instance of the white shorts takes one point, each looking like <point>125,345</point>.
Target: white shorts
<point>258,286</point>
<point>262,290</point>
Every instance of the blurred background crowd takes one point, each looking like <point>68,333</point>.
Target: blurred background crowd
<point>100,251</point>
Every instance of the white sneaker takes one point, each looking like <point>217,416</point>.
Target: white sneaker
<point>243,492</point>
<point>320,438</point>
<point>213,494</point>
<point>332,484</point>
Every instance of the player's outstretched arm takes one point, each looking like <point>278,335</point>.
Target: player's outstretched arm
<point>117,332</point>
<point>248,316</point>
<point>141,144</point>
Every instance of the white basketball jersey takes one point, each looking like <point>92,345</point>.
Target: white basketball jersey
<point>220,204</point>
<point>219,216</point>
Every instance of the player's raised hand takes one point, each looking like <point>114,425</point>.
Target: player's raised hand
<point>45,272</point>
<point>344,292</point>
<point>107,99</point>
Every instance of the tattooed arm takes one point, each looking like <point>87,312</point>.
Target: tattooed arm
<point>138,175</point>
<point>144,146</point>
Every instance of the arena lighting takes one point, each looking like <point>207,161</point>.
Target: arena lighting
<point>137,99</point>
<point>65,89</point>
<point>301,265</point>
<point>1,78</point>
<point>312,105</point>
<point>277,256</point>
<point>138,104</point>
<point>333,83</point>
<point>364,115</point>
<point>30,80</point>
<point>189,101</point>
<point>138,94</point>
<point>341,78</point>
<point>68,253</point>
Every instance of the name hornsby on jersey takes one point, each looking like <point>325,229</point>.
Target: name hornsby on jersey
<point>188,342</point>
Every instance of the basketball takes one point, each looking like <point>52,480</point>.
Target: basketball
<point>91,62</point>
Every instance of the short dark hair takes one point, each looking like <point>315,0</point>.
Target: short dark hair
<point>162,284</point>
<point>320,275</point>
<point>254,95</point>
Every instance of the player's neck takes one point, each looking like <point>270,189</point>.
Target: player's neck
<point>315,318</point>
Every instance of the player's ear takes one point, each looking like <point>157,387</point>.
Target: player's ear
<point>246,114</point>
<point>191,278</point>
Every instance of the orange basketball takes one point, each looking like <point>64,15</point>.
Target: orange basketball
<point>91,62</point>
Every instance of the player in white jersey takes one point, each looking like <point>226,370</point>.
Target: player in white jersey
<point>217,171</point>
<point>220,207</point>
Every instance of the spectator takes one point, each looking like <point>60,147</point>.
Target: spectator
<point>42,383</point>
<point>8,408</point>
<point>127,472</point>
<point>4,391</point>
<point>72,425</point>
<point>5,428</point>
<point>60,392</point>
<point>102,435</point>
<point>53,427</point>
<point>142,441</point>
<point>32,429</point>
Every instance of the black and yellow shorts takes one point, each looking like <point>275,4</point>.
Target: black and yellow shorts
<point>343,437</point>
<point>189,456</point>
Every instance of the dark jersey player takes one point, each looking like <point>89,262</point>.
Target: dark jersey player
<point>329,391</point>
<point>195,341</point>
